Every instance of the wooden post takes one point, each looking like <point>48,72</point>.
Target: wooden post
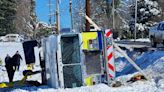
<point>87,24</point>
<point>57,16</point>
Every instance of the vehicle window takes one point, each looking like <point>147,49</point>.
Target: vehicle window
<point>12,36</point>
<point>161,26</point>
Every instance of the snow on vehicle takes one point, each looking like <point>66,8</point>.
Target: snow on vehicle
<point>12,38</point>
<point>156,34</point>
<point>1,38</point>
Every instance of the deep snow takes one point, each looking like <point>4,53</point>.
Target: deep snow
<point>151,62</point>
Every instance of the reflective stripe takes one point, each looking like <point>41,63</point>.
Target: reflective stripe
<point>108,33</point>
<point>110,58</point>
<point>111,67</point>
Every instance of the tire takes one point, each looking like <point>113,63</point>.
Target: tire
<point>153,43</point>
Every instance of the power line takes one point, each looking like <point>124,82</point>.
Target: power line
<point>88,14</point>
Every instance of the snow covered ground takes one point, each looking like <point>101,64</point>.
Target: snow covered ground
<point>138,40</point>
<point>11,48</point>
<point>141,40</point>
<point>152,63</point>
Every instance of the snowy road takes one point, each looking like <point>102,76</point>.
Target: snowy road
<point>134,44</point>
<point>139,43</point>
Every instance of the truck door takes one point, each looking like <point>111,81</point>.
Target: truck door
<point>69,61</point>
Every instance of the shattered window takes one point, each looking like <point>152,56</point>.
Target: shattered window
<point>93,62</point>
<point>72,72</point>
<point>70,50</point>
<point>72,76</point>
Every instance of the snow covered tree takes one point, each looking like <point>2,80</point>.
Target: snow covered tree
<point>78,20</point>
<point>101,13</point>
<point>148,13</point>
<point>122,18</point>
<point>17,16</point>
<point>7,11</point>
<point>25,18</point>
<point>147,10</point>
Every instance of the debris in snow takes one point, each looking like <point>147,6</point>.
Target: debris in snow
<point>116,84</point>
<point>136,78</point>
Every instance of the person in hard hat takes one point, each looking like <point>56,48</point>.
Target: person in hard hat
<point>16,58</point>
<point>9,67</point>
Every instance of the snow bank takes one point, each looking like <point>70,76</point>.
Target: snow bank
<point>96,88</point>
<point>135,87</point>
<point>139,86</point>
<point>155,71</point>
<point>148,59</point>
<point>152,62</point>
<point>141,40</point>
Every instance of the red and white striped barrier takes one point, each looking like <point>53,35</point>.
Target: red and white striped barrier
<point>109,52</point>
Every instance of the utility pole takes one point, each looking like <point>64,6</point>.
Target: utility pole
<point>50,12</point>
<point>135,21</point>
<point>57,16</point>
<point>70,9</point>
<point>87,24</point>
<point>113,12</point>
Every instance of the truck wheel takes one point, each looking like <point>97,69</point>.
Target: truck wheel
<point>153,43</point>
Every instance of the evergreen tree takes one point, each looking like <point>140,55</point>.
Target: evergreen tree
<point>147,10</point>
<point>7,12</point>
<point>17,16</point>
